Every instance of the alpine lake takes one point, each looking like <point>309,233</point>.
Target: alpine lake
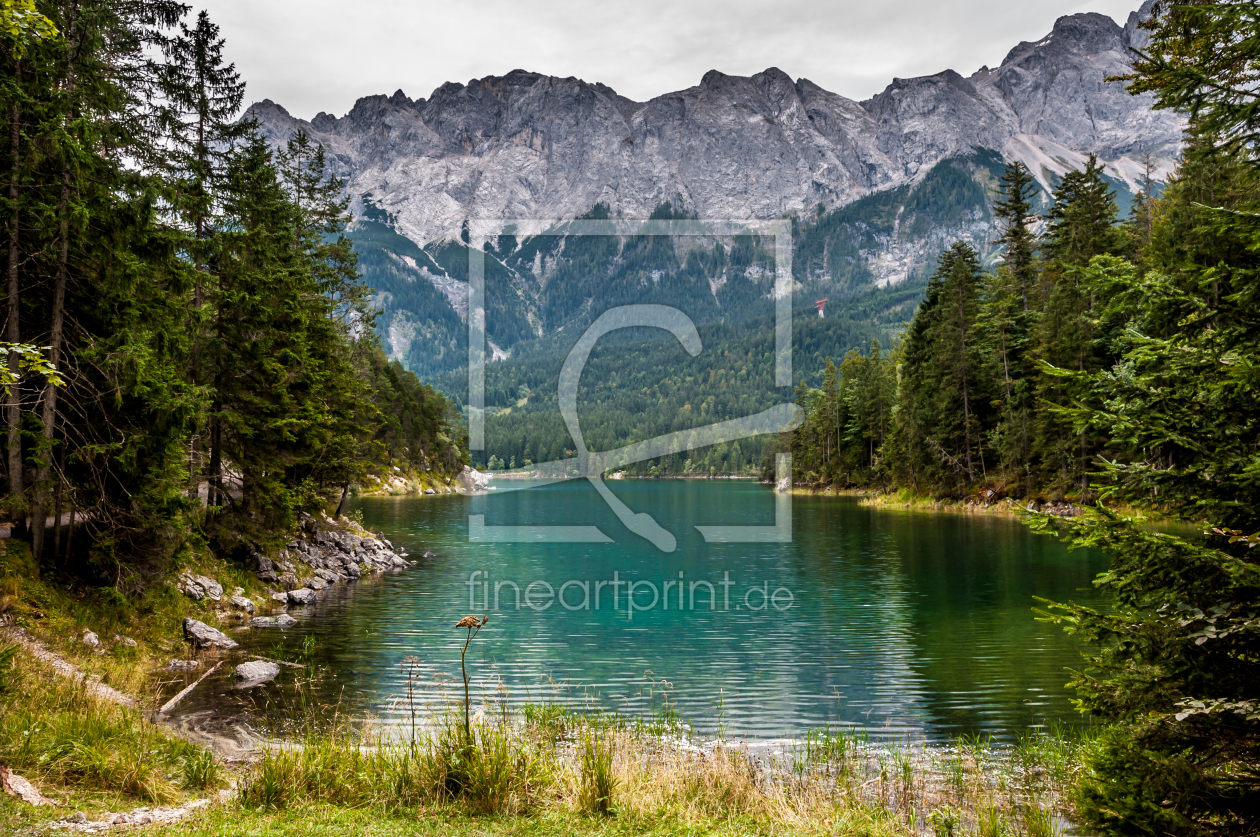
<point>899,624</point>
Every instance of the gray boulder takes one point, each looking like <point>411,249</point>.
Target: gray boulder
<point>91,640</point>
<point>182,665</point>
<point>316,583</point>
<point>328,576</point>
<point>281,598</point>
<point>242,603</point>
<point>255,673</point>
<point>284,620</point>
<point>302,596</point>
<point>204,636</point>
<point>126,640</point>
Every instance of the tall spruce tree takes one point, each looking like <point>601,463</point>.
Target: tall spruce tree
<point>201,96</point>
<point>1080,225</point>
<point>1013,210</point>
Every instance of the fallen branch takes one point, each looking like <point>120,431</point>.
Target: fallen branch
<point>170,704</point>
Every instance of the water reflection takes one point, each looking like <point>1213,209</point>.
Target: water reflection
<point>903,623</point>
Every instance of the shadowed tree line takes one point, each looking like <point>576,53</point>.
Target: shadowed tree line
<point>218,370</point>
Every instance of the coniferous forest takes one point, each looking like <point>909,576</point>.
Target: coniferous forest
<point>216,364</point>
<point>1110,361</point>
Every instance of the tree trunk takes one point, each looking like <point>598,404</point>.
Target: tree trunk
<point>49,415</point>
<point>61,486</point>
<point>215,476</point>
<point>13,333</point>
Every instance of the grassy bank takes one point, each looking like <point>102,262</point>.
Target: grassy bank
<point>554,772</point>
<point>88,753</point>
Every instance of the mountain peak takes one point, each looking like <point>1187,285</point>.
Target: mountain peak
<point>530,145</point>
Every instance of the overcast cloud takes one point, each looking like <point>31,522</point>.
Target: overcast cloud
<point>321,55</point>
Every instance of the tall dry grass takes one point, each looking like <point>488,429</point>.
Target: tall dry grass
<point>549,760</point>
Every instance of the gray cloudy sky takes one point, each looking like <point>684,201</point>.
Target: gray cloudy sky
<point>313,55</point>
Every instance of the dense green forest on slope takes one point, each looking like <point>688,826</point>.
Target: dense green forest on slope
<point>217,366</point>
<point>972,397</point>
<point>638,385</point>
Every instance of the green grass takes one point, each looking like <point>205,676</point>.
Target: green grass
<point>56,733</point>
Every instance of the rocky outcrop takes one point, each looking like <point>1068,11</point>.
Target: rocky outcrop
<point>198,587</point>
<point>336,553</point>
<point>203,636</point>
<point>471,480</point>
<point>528,145</point>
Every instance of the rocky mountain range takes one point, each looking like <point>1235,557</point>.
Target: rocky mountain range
<point>526,145</point>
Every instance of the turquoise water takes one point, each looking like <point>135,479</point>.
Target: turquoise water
<point>904,623</point>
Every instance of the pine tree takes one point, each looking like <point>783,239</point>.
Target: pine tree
<point>955,360</point>
<point>1013,211</point>
<point>1010,308</point>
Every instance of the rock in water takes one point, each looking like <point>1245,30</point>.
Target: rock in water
<point>470,479</point>
<point>255,672</point>
<point>281,598</point>
<point>284,620</point>
<point>204,636</point>
<point>302,596</point>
